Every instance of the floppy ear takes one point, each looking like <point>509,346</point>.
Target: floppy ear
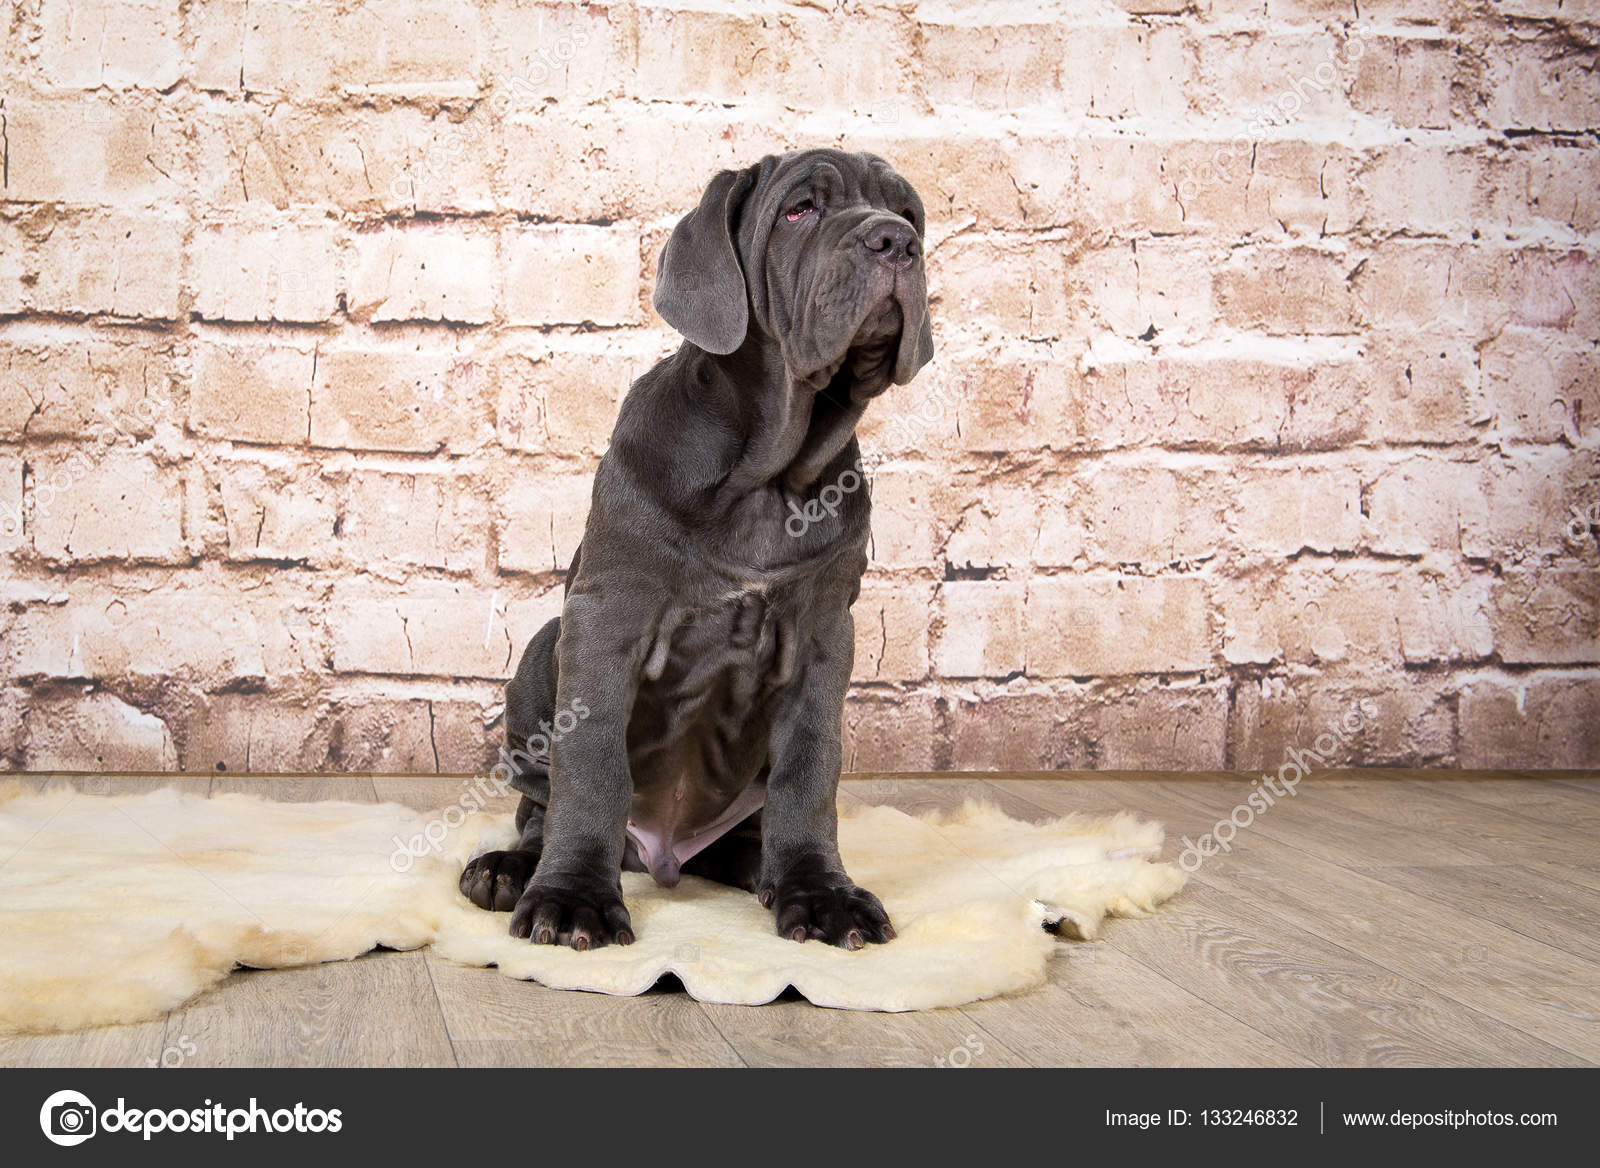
<point>700,288</point>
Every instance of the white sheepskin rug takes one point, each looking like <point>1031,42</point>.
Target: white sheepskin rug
<point>121,908</point>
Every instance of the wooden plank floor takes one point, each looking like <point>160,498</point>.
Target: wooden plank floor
<point>1376,919</point>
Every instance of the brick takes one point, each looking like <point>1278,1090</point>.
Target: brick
<point>539,51</point>
<point>904,517</point>
<point>1547,616</point>
<point>1556,289</point>
<point>277,516</point>
<point>1020,285</point>
<point>1563,187</point>
<point>437,628</point>
<point>816,62</point>
<point>1430,83</point>
<point>260,733</point>
<point>86,151</point>
<point>400,160</point>
<point>1015,524</point>
<point>13,515</point>
<point>1420,505</point>
<point>413,46</point>
<point>1295,399</point>
<point>1442,620</point>
<point>1144,727</point>
<point>1313,614</point>
<point>1283,512</point>
<point>465,735</point>
<point>209,633</point>
<point>60,384</point>
<point>1108,71</point>
<point>1108,626</point>
<point>570,275</point>
<point>102,502</point>
<point>1543,83</point>
<point>1041,287</point>
<point>983,633</point>
<point>541,520</point>
<point>123,44</point>
<point>272,271</point>
<point>1306,188</point>
<point>1152,516</point>
<point>1444,190</point>
<point>1295,291</point>
<point>891,625</point>
<point>1363,720</point>
<point>398,399</point>
<point>252,392</point>
<point>1514,723</point>
<point>413,736</point>
<point>1004,402</point>
<point>1286,77</point>
<point>1539,391</point>
<point>11,729</point>
<point>1018,731</point>
<point>594,164</point>
<point>1232,187</point>
<point>1027,180</point>
<point>424,273</point>
<point>564,398</point>
<point>1534,502</point>
<point>886,734</point>
<point>1160,728</point>
<point>1128,289</point>
<point>126,265</point>
<point>94,732</point>
<point>1476,291</point>
<point>1423,389</point>
<point>428,521</point>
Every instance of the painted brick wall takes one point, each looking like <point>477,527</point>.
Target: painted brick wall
<point>1267,379</point>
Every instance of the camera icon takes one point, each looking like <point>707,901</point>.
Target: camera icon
<point>67,1118</point>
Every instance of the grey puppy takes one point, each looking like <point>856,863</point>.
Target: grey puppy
<point>692,689</point>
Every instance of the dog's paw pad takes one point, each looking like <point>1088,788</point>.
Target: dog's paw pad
<point>841,914</point>
<point>582,917</point>
<point>495,880</point>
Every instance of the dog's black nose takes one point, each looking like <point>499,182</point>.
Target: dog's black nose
<point>892,241</point>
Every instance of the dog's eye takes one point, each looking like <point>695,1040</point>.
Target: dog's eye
<point>800,210</point>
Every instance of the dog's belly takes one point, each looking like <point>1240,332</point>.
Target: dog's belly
<point>698,738</point>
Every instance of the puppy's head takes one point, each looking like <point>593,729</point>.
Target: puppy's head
<point>819,252</point>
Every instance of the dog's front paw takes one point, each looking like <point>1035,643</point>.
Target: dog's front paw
<point>816,903</point>
<point>496,879</point>
<point>582,914</point>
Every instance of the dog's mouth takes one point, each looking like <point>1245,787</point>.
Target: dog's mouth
<point>865,367</point>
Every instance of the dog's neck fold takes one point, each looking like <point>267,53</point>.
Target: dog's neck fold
<point>791,434</point>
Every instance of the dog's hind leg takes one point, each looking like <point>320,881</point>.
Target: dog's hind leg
<point>495,880</point>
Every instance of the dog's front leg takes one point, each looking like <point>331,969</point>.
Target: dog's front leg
<point>802,877</point>
<point>575,895</point>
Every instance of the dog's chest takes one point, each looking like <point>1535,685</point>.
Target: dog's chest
<point>725,649</point>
